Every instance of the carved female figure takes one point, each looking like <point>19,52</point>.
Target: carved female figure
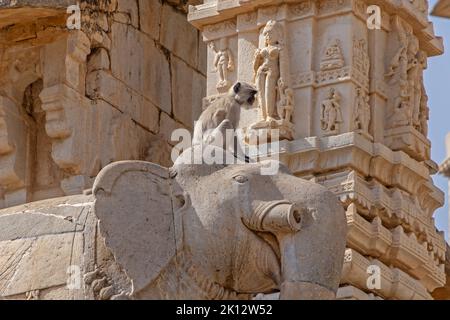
<point>285,105</point>
<point>361,111</point>
<point>267,69</point>
<point>331,116</point>
<point>223,62</point>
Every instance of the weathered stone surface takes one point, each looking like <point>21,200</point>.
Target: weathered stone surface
<point>187,49</point>
<point>166,126</point>
<point>103,85</point>
<point>149,74</point>
<point>130,8</point>
<point>189,91</point>
<point>442,9</point>
<point>150,17</point>
<point>52,260</point>
<point>91,96</point>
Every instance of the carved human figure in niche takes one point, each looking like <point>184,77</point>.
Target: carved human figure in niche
<point>406,68</point>
<point>417,87</point>
<point>331,115</point>
<point>333,57</point>
<point>423,113</point>
<point>399,63</point>
<point>361,111</point>
<point>267,69</point>
<point>401,114</point>
<point>223,63</point>
<point>285,106</point>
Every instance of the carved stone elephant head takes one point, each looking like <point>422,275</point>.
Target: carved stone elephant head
<point>220,231</point>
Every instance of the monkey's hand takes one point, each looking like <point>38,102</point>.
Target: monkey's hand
<point>218,136</point>
<point>224,125</point>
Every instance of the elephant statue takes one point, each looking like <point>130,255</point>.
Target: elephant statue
<point>194,231</point>
<point>215,231</point>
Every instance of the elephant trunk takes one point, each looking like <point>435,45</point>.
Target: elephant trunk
<point>311,244</point>
<point>275,217</point>
<point>293,288</point>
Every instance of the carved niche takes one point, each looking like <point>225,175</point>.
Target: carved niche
<point>275,97</point>
<point>407,111</point>
<point>223,63</point>
<point>330,113</point>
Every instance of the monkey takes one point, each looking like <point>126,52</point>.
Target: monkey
<point>223,114</point>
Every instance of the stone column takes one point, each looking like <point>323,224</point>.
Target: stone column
<point>358,124</point>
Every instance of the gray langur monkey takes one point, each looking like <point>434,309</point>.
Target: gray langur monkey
<point>223,114</point>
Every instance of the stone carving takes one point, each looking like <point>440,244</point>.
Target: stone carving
<point>332,57</point>
<point>361,112</point>
<point>330,113</point>
<point>248,237</point>
<point>274,95</point>
<point>223,63</point>
<point>183,225</point>
<point>32,295</point>
<point>418,88</point>
<point>267,69</point>
<point>301,8</point>
<point>406,70</point>
<point>100,285</point>
<point>424,113</point>
<point>285,106</point>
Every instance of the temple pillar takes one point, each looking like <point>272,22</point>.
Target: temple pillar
<point>351,108</point>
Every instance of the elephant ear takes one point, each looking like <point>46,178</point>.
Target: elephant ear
<point>133,201</point>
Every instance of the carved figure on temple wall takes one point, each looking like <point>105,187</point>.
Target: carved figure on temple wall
<point>331,115</point>
<point>401,113</point>
<point>333,57</point>
<point>417,86</point>
<point>267,69</point>
<point>398,66</point>
<point>361,112</point>
<point>285,106</point>
<point>406,69</point>
<point>423,113</point>
<point>223,63</point>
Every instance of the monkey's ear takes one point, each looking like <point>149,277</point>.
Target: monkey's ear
<point>237,87</point>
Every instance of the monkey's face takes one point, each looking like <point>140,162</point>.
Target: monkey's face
<point>244,93</point>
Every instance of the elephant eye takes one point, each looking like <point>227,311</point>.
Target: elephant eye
<point>240,179</point>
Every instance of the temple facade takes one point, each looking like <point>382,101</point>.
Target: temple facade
<point>357,121</point>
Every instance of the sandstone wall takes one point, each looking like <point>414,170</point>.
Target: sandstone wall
<point>74,101</point>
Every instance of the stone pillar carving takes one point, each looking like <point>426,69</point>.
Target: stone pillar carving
<point>63,100</point>
<point>59,64</point>
<point>359,122</point>
<point>12,166</point>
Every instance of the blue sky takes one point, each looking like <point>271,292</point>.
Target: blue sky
<point>437,83</point>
